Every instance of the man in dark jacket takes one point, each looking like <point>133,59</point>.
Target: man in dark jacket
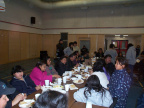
<point>60,48</point>
<point>14,96</point>
<point>70,64</point>
<point>61,66</point>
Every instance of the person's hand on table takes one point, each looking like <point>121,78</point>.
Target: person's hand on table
<point>18,98</point>
<point>56,76</point>
<point>90,72</point>
<point>38,87</point>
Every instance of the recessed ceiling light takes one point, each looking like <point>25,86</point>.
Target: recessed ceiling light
<point>117,35</point>
<point>125,35</point>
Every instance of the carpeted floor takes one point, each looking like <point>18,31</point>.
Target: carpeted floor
<point>28,65</point>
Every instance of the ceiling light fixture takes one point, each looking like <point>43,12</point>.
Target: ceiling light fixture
<point>117,35</point>
<point>125,35</point>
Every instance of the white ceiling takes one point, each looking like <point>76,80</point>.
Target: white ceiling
<point>52,4</point>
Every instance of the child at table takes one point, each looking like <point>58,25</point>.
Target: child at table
<point>93,92</point>
<point>120,83</point>
<point>22,83</point>
<point>39,74</point>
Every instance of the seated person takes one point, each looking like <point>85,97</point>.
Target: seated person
<point>94,92</point>
<point>77,60</point>
<point>22,83</point>
<point>51,99</point>
<point>98,70</point>
<point>39,74</point>
<point>49,68</point>
<point>109,67</point>
<point>61,66</point>
<point>100,53</point>
<point>70,64</point>
<point>5,91</point>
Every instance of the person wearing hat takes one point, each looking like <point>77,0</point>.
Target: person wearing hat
<point>60,48</point>
<point>5,102</point>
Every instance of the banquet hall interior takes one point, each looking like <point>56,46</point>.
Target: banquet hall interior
<point>30,27</point>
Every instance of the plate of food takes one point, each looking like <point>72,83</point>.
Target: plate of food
<point>73,87</point>
<point>27,103</point>
<point>74,78</point>
<point>78,81</point>
<point>58,86</point>
<point>84,73</point>
<point>85,77</point>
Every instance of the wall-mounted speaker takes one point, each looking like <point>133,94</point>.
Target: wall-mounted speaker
<point>32,20</point>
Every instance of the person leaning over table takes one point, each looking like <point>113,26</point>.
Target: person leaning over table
<point>39,74</point>
<point>8,95</point>
<point>51,99</point>
<point>61,65</point>
<point>21,82</point>
<point>98,70</point>
<point>70,64</point>
<point>94,92</point>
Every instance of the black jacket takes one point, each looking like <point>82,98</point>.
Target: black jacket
<point>59,50</point>
<point>60,68</point>
<point>27,86</point>
<point>70,64</point>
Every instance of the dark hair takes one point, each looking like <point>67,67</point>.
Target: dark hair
<point>71,55</point>
<point>51,99</point>
<point>62,57</point>
<point>93,83</point>
<point>98,65</point>
<point>40,63</point>
<point>71,43</point>
<point>75,42</point>
<point>60,40</point>
<point>110,68</point>
<point>100,49</point>
<point>123,61</point>
<point>48,57</point>
<point>111,46</point>
<point>17,69</point>
<point>119,54</point>
<point>129,45</point>
<point>108,55</point>
<point>75,53</point>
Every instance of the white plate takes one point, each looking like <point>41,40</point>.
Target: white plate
<point>58,87</point>
<point>73,87</point>
<point>74,78</point>
<point>76,81</point>
<point>26,103</point>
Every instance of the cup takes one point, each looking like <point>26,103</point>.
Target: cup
<point>79,76</point>
<point>37,95</point>
<point>70,73</point>
<point>59,81</point>
<point>88,105</point>
<point>67,87</point>
<point>46,82</point>
<point>79,69</point>
<point>64,79</point>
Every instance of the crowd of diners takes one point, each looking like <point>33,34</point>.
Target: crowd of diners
<point>108,84</point>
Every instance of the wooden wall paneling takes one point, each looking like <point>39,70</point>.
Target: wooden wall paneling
<point>142,43</point>
<point>92,45</point>
<point>33,45</point>
<point>24,37</point>
<point>39,44</point>
<point>4,52</point>
<point>48,44</point>
<point>72,38</point>
<point>101,42</point>
<point>14,46</point>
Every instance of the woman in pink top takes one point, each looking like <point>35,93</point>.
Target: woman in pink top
<point>39,74</point>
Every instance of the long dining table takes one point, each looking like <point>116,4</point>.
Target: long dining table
<point>71,101</point>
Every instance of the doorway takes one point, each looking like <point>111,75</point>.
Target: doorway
<point>120,46</point>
